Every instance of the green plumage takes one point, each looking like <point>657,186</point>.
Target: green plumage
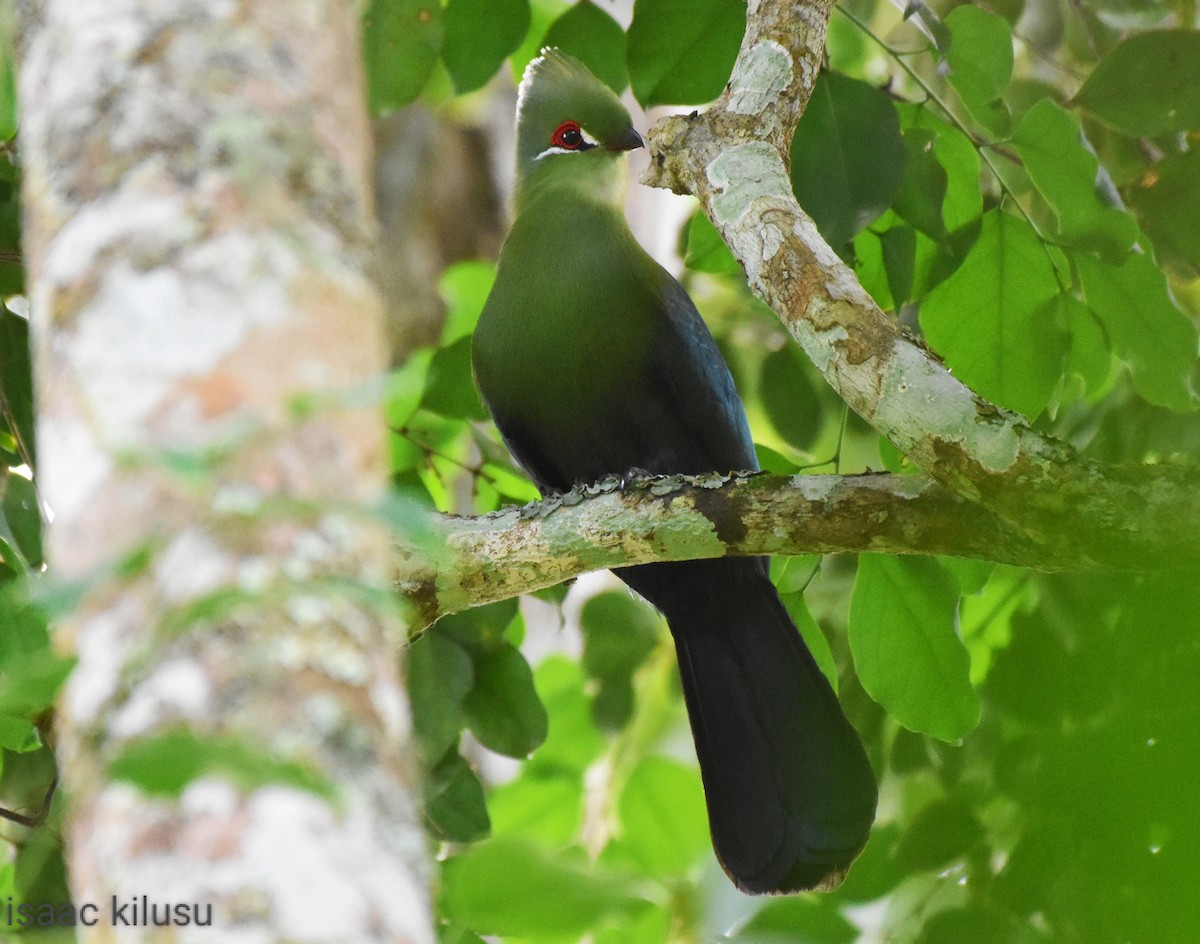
<point>594,362</point>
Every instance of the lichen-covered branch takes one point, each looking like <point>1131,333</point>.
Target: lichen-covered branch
<point>454,563</point>
<point>733,157</point>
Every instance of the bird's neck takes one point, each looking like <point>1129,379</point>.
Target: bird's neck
<point>570,178</point>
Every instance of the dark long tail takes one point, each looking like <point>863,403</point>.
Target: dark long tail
<point>790,792</point>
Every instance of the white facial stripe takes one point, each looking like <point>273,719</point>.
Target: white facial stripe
<point>554,149</point>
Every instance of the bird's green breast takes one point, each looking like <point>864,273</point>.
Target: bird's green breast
<point>572,316</point>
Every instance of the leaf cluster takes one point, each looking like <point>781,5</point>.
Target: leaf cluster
<point>1014,184</point>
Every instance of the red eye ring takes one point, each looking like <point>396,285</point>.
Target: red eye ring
<point>568,136</point>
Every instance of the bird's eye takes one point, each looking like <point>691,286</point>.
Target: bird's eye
<point>568,135</point>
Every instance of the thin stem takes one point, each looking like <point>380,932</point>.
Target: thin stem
<point>981,147</point>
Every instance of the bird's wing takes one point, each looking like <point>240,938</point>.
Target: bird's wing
<point>703,419</point>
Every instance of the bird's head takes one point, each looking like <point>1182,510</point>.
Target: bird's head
<point>571,127</point>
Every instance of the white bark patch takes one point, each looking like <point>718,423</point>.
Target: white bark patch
<point>176,690</point>
<point>760,76</point>
<point>916,387</point>
<point>73,466</point>
<point>191,566</point>
<point>816,488</point>
<point>175,323</point>
<point>772,241</point>
<point>295,844</point>
<point>821,346</point>
<point>742,174</point>
<point>104,648</point>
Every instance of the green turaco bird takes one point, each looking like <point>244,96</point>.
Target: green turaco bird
<point>594,362</point>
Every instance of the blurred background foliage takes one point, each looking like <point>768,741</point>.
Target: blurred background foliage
<point>1018,182</point>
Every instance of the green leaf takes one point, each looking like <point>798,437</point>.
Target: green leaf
<point>1064,169</point>
<point>618,633</point>
<point>450,385</point>
<point>31,687</point>
<point>906,650</point>
<point>923,190</point>
<point>706,250</point>
<point>960,202</point>
<point>1149,85</point>
<point>401,41</point>
<point>509,887</point>
<point>464,287</point>
<point>481,626</point>
<point>817,644</point>
<point>899,244</point>
<point>945,830</point>
<point>405,388</point>
<point>454,801</point>
<point>17,734</point>
<point>993,319</point>
<point>542,14</point>
<point>16,376</point>
<point>480,35</point>
<point>980,57</point>
<point>573,741</point>
<point>1088,355</point>
<point>1145,328</point>
<point>546,809</point>
<point>869,267</point>
<point>847,156</point>
<point>8,92</point>
<point>781,919</point>
<point>439,673</point>
<point>22,516</point>
<point>1167,201</point>
<point>791,401</point>
<point>664,824</point>
<point>164,764</point>
<point>502,707</point>
<point>595,39</point>
<point>681,52</point>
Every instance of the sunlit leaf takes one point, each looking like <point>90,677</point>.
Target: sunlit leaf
<point>450,386</point>
<point>980,57</point>
<point>401,42</point>
<point>1144,326</point>
<point>706,251</point>
<point>1148,85</point>
<point>573,741</point>
<point>464,287</point>
<point>681,52</point>
<point>588,33</point>
<point>664,825</point>
<point>547,809</point>
<point>906,650</point>
<point>1064,169</point>
<point>480,34</point>
<point>510,887</point>
<point>993,320</point>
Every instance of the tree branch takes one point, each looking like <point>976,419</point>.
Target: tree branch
<point>454,563</point>
<point>734,158</point>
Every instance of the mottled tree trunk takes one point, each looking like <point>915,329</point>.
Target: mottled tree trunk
<point>198,237</point>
